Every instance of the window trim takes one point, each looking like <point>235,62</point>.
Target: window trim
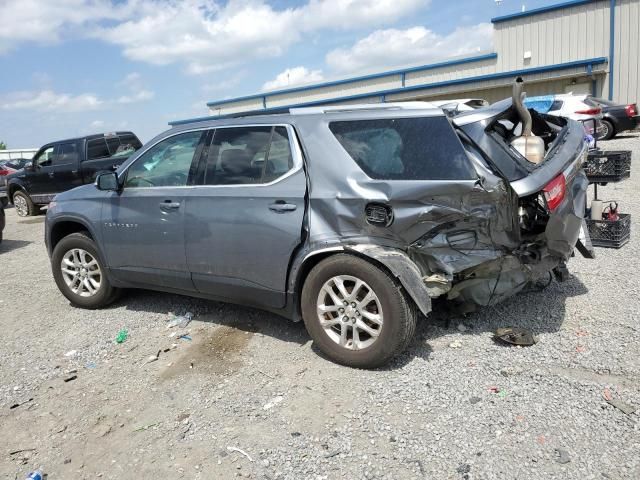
<point>294,145</point>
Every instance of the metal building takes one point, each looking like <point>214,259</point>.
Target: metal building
<point>580,46</point>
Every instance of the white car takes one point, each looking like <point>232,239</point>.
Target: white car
<point>576,107</point>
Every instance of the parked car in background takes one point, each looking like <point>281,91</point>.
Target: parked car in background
<point>2,220</point>
<point>7,167</point>
<point>63,165</point>
<point>390,206</point>
<point>616,117</point>
<point>581,108</point>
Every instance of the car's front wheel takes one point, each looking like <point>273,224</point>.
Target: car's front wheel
<point>23,204</point>
<point>80,274</point>
<point>356,313</point>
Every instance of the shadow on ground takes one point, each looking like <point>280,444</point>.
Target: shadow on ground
<point>539,310</point>
<point>10,245</point>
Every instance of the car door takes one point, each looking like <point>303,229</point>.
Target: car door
<point>65,169</point>
<point>143,224</point>
<point>39,178</point>
<point>244,222</point>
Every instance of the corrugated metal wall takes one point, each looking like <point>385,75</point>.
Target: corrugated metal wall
<point>554,37</point>
<point>626,78</point>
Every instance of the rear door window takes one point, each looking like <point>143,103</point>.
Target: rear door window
<point>421,148</point>
<point>67,154</point>
<point>97,148</point>
<point>248,155</point>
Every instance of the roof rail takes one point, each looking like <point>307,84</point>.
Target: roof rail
<point>416,105</point>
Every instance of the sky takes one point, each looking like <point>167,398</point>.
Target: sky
<point>74,67</point>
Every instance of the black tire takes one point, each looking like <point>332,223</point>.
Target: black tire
<point>105,294</point>
<point>399,312</point>
<point>22,198</point>
<point>609,131</point>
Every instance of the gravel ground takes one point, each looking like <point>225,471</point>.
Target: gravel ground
<point>456,405</point>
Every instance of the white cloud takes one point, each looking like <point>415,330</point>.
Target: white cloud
<point>139,96</point>
<point>292,77</point>
<point>391,47</point>
<point>204,35</point>
<point>97,124</point>
<point>48,100</point>
<point>47,21</point>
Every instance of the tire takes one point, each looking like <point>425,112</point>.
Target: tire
<point>86,295</point>
<point>609,131</point>
<point>395,326</point>
<point>23,204</point>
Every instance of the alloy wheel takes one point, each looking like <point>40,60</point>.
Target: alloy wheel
<point>350,312</point>
<point>20,204</point>
<point>81,272</point>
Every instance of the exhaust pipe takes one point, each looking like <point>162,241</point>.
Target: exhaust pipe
<point>517,99</point>
<point>529,146</point>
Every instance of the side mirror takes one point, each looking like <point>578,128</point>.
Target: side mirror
<point>29,166</point>
<point>107,181</point>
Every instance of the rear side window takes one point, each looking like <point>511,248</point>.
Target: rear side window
<point>248,155</point>
<point>67,153</point>
<point>97,148</point>
<point>423,148</point>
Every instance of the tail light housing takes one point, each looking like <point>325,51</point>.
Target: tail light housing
<point>555,191</point>
<point>3,172</point>
<point>631,110</point>
<point>589,111</point>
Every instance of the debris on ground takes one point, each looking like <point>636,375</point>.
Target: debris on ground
<point>515,336</point>
<point>619,404</point>
<point>236,449</point>
<point>185,337</point>
<point>181,320</point>
<point>562,456</point>
<point>153,358</point>
<point>37,475</point>
<point>462,327</point>
<point>70,378</point>
<point>16,405</point>
<point>122,336</point>
<point>71,353</point>
<point>272,403</point>
<point>455,344</point>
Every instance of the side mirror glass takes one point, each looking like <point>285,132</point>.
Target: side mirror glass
<point>107,181</point>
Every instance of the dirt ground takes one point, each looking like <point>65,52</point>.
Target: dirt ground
<point>455,405</point>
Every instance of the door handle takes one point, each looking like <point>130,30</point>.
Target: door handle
<point>280,207</point>
<point>169,205</point>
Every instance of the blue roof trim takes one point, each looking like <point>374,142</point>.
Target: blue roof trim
<point>537,11</point>
<point>431,66</point>
<point>459,81</point>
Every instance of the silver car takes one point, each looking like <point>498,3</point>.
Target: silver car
<point>350,218</point>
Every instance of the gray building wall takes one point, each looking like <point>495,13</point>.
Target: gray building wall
<point>626,59</point>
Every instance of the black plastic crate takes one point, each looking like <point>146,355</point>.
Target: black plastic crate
<point>608,166</point>
<point>610,233</point>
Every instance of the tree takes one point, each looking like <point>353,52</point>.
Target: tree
<point>3,146</point>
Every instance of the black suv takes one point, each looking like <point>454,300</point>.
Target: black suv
<point>65,164</point>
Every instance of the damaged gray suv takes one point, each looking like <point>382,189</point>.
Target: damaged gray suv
<point>350,218</point>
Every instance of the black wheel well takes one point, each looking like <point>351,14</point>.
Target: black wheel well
<point>312,261</point>
<point>13,188</point>
<point>64,228</point>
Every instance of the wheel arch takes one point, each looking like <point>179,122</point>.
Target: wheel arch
<point>395,262</point>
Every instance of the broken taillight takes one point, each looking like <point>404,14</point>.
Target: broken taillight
<point>631,110</point>
<point>589,111</point>
<point>554,192</point>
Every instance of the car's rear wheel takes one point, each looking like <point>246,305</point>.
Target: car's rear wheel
<point>80,274</point>
<point>356,313</point>
<point>608,130</point>
<point>23,204</point>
